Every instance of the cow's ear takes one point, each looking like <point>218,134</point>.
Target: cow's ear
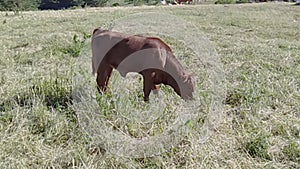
<point>193,79</point>
<point>190,78</point>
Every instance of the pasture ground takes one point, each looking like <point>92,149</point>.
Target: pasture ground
<point>258,45</point>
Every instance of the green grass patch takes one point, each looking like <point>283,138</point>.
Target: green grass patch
<point>292,150</point>
<point>257,147</point>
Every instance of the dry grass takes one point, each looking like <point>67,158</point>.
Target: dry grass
<point>259,48</point>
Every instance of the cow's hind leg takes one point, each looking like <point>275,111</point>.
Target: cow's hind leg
<point>108,74</point>
<point>102,76</point>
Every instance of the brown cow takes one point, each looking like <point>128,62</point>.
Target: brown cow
<point>148,56</point>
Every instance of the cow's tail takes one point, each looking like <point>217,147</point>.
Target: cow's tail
<point>95,30</point>
<point>93,54</point>
<point>93,65</point>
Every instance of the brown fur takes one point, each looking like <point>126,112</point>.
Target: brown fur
<point>112,49</point>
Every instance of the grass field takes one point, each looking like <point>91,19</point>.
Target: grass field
<point>259,48</point>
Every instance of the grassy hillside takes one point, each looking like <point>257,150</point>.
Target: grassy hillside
<point>258,125</point>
